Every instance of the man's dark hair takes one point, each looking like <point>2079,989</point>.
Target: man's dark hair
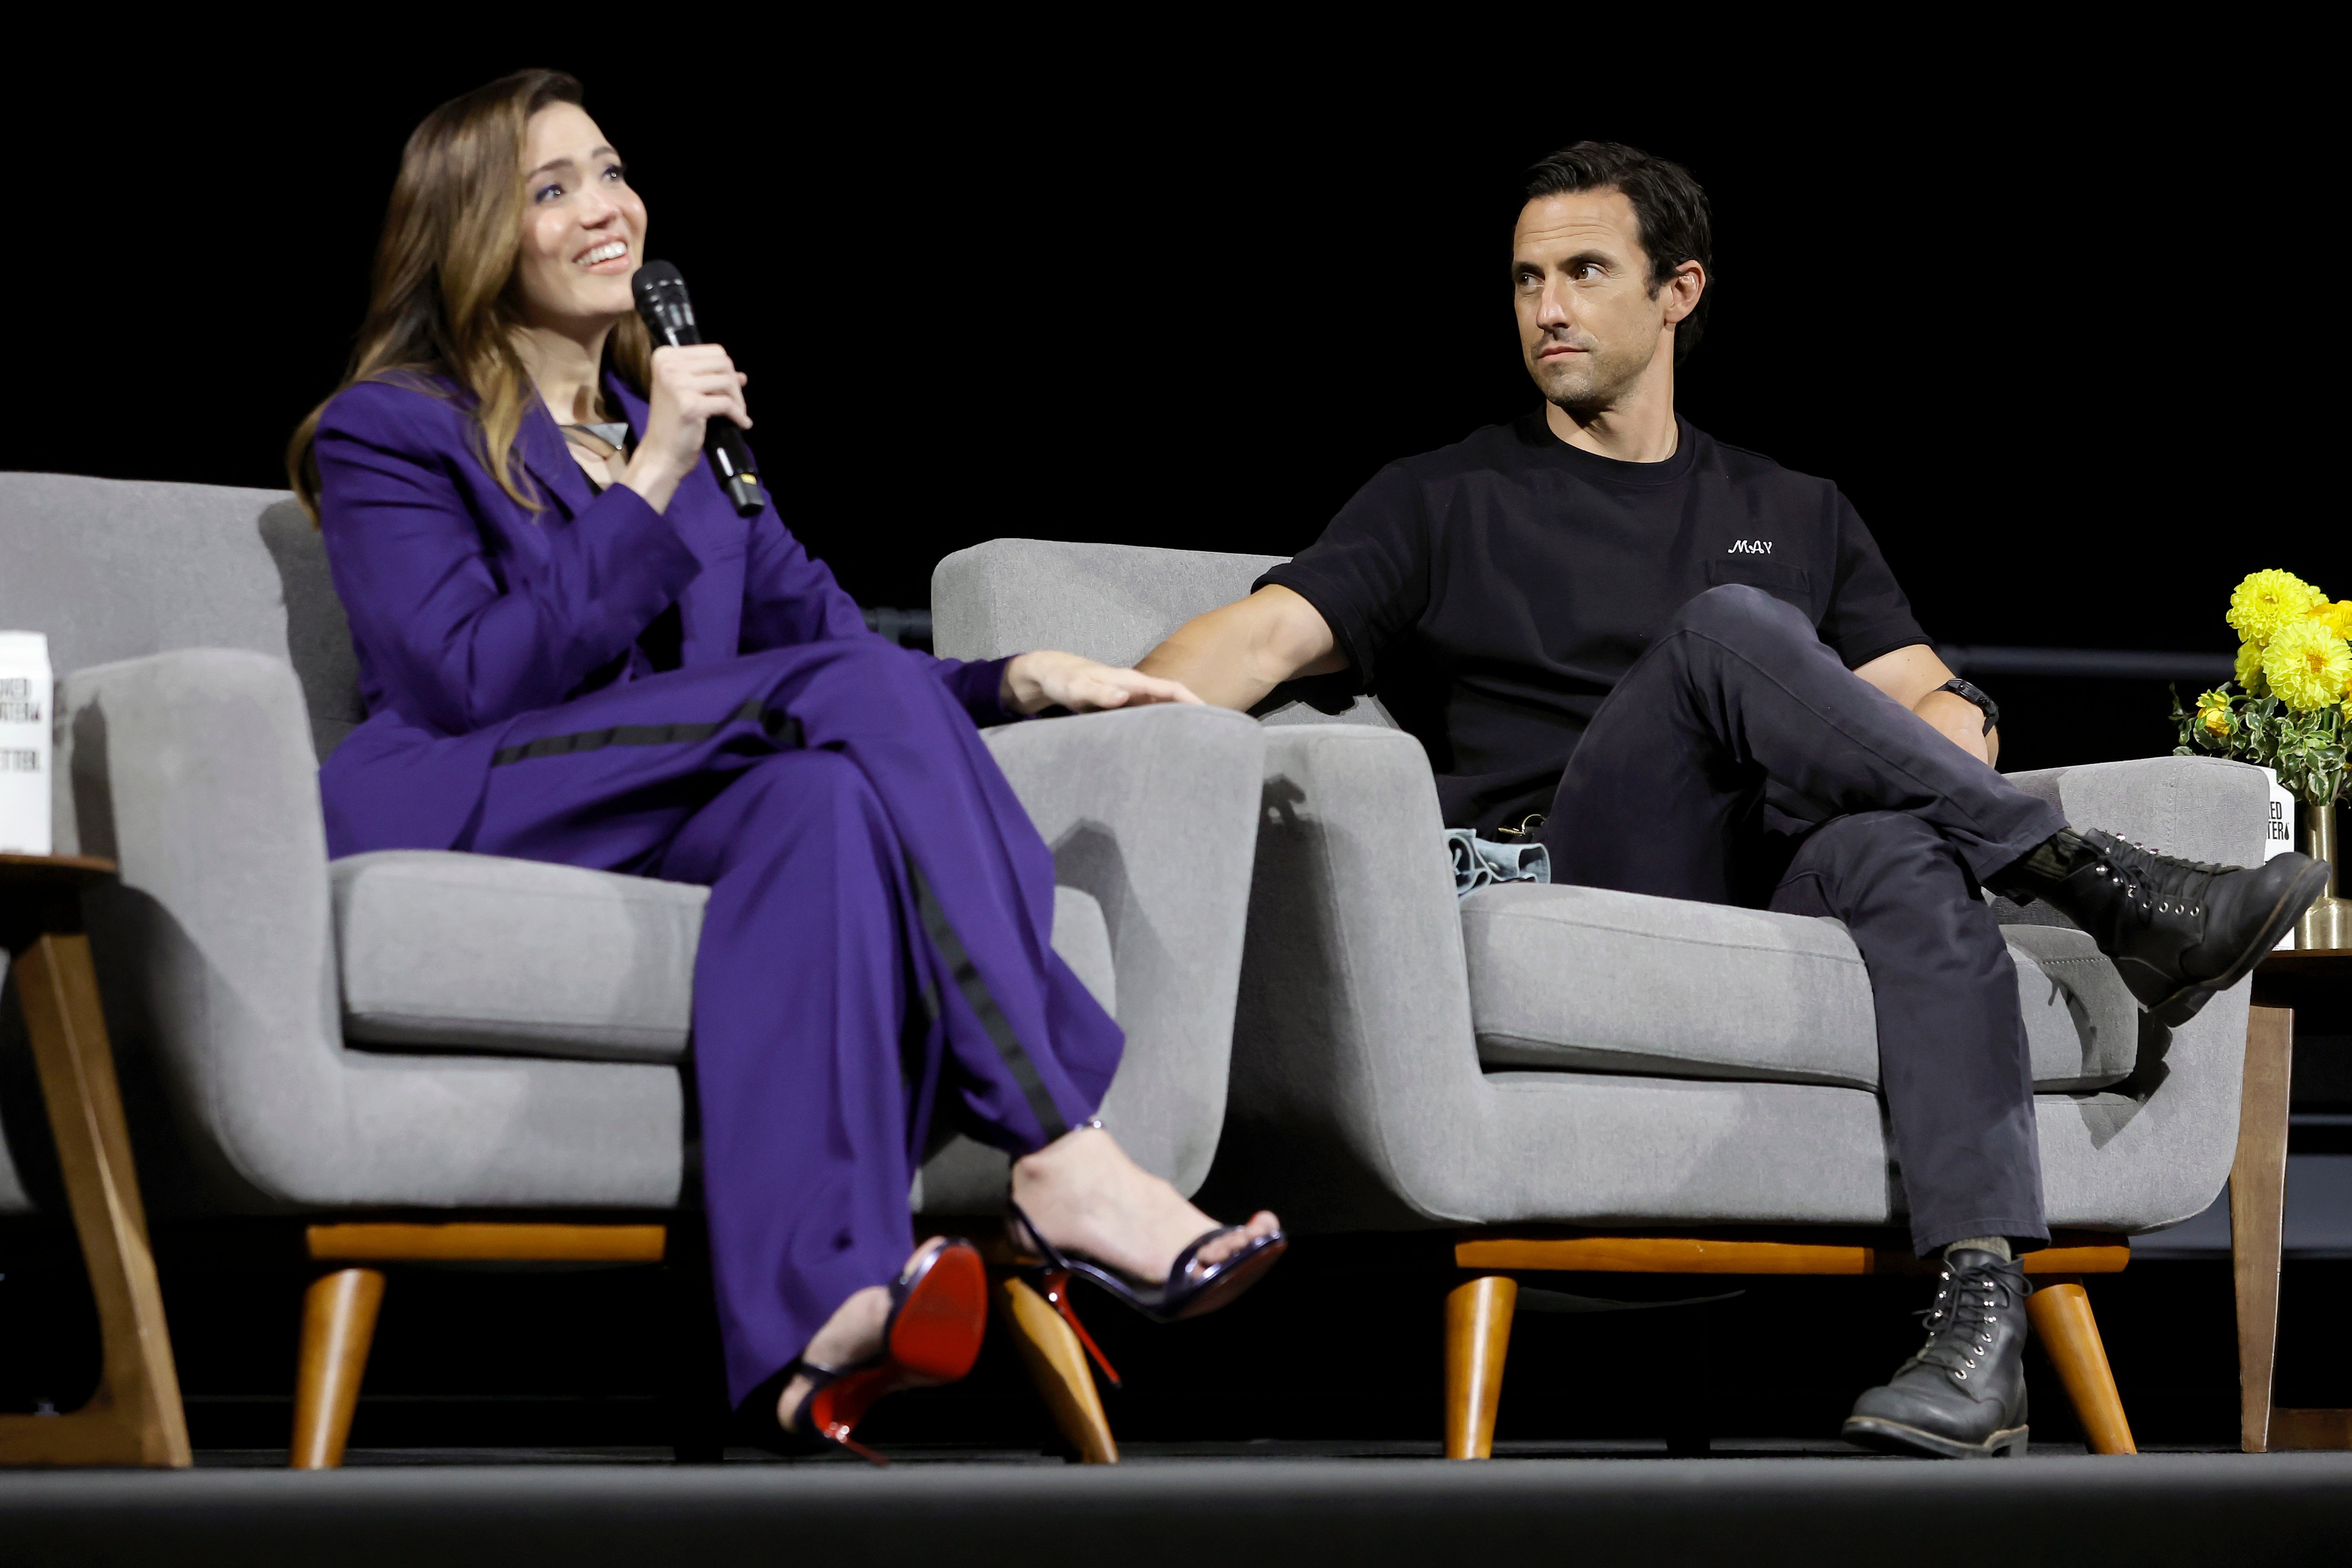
<point>1669,208</point>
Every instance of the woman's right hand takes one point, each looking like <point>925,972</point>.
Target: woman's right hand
<point>691,386</point>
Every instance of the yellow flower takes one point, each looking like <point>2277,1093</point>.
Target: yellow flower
<point>2307,666</point>
<point>2213,713</point>
<point>2267,601</point>
<point>2250,667</point>
<point>2337,617</point>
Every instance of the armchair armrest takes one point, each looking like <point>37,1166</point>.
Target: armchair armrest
<point>2162,1141</point>
<point>193,769</point>
<point>1354,1018</point>
<point>1152,812</point>
<point>2201,807</point>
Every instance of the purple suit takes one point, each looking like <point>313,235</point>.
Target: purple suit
<point>881,907</point>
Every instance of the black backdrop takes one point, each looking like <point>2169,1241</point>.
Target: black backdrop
<point>2040,323</point>
<point>2037,304</point>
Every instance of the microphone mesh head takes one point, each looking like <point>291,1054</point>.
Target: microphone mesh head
<point>662,301</point>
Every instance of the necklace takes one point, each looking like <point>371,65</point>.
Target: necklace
<point>614,438</point>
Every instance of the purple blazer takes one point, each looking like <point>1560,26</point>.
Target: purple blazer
<point>468,609</point>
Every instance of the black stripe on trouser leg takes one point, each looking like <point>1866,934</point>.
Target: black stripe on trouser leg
<point>781,727</point>
<point>913,1033</point>
<point>911,1042</point>
<point>992,1016</point>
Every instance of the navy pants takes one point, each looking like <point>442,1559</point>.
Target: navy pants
<point>878,937</point>
<point>1739,761</point>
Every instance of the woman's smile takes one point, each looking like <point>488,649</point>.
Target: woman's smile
<point>610,256</point>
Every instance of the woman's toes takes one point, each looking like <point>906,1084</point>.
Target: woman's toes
<point>1260,1225</point>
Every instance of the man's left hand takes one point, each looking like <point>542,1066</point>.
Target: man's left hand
<point>1960,721</point>
<point>1914,675</point>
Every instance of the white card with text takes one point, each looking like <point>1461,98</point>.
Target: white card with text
<point>25,692</point>
<point>2278,833</point>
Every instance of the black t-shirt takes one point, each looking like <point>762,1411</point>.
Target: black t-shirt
<point>1492,592</point>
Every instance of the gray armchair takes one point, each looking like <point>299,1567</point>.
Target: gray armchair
<point>425,1047</point>
<point>1580,1079</point>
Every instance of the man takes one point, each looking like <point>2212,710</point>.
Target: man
<point>1689,673</point>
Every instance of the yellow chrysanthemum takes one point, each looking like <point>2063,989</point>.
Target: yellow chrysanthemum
<point>2307,666</point>
<point>2250,667</point>
<point>2268,601</point>
<point>2213,713</point>
<point>2337,617</point>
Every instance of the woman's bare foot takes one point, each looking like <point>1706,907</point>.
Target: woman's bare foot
<point>852,1334</point>
<point>1087,1196</point>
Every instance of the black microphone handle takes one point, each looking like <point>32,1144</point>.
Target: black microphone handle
<point>730,459</point>
<point>662,302</point>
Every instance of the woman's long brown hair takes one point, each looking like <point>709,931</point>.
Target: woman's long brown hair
<point>444,298</point>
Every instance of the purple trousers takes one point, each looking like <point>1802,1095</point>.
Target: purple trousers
<point>878,937</point>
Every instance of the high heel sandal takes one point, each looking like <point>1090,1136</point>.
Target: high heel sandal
<point>939,1310</point>
<point>1190,1289</point>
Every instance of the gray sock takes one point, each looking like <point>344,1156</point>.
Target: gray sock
<point>1996,1245</point>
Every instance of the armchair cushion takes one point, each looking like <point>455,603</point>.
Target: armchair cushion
<point>476,953</point>
<point>1619,982</point>
<point>480,953</point>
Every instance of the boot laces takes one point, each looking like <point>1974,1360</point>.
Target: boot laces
<point>1961,1321</point>
<point>2153,883</point>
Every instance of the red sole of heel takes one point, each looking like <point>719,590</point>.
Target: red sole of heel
<point>940,1324</point>
<point>835,1409</point>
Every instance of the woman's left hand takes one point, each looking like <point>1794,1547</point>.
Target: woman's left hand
<point>1036,680</point>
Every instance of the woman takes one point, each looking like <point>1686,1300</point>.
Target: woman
<point>574,649</point>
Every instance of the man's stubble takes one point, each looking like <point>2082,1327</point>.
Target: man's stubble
<point>1589,386</point>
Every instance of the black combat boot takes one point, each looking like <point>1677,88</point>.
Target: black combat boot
<point>1963,1396</point>
<point>2178,930</point>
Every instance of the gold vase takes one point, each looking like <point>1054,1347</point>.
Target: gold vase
<point>2328,922</point>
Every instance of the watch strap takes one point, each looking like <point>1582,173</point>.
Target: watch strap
<point>1969,692</point>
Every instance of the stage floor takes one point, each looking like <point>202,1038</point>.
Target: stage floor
<point>1761,1504</point>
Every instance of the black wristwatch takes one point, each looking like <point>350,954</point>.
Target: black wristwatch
<point>1975,693</point>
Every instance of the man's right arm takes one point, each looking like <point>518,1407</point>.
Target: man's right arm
<point>1233,657</point>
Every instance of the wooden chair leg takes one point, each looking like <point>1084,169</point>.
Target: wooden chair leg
<point>338,1325</point>
<point>1477,1338</point>
<point>2258,1213</point>
<point>1057,1365</point>
<point>135,1417</point>
<point>2061,1313</point>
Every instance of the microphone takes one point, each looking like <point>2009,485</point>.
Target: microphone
<point>669,315</point>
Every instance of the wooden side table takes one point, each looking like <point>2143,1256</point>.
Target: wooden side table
<point>135,1416</point>
<point>2258,1195</point>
